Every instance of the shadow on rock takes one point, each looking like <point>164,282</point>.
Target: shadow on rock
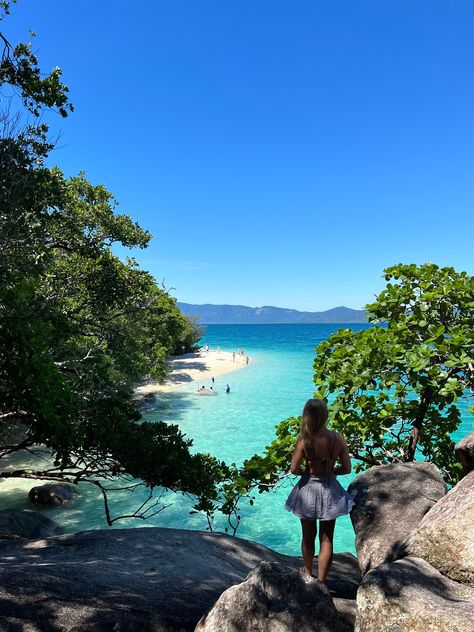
<point>140,579</point>
<point>391,501</point>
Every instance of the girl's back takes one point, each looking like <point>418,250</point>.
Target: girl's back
<point>321,457</point>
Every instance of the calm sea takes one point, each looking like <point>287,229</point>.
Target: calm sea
<point>233,427</point>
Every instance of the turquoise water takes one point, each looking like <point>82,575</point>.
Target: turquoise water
<point>233,427</point>
<point>274,386</point>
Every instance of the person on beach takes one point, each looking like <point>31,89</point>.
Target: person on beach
<point>227,389</point>
<point>247,360</point>
<point>318,495</point>
<point>212,380</point>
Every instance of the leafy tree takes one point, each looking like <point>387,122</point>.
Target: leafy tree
<point>78,326</point>
<point>396,386</point>
<point>190,334</point>
<point>21,79</point>
<point>392,388</point>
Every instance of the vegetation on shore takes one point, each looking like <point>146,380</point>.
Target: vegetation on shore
<point>78,326</point>
<point>392,388</point>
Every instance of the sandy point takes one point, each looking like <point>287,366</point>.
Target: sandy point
<point>194,367</point>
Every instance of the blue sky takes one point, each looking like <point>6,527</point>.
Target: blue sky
<point>281,153</point>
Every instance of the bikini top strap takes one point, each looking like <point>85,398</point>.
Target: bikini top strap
<point>309,458</point>
<point>307,455</point>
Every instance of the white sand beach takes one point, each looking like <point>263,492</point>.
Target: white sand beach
<point>197,367</point>
<point>194,367</point>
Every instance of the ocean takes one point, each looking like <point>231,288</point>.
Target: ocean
<point>274,386</point>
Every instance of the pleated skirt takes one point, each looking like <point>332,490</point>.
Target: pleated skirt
<point>319,498</point>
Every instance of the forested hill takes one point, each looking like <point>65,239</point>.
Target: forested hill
<point>240,314</point>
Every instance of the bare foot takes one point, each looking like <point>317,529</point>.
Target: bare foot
<point>305,571</point>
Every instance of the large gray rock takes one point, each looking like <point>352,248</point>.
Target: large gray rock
<point>445,537</point>
<point>54,494</point>
<point>26,524</point>
<point>411,596</point>
<point>347,609</point>
<point>274,598</point>
<point>465,452</point>
<point>139,579</point>
<point>391,501</point>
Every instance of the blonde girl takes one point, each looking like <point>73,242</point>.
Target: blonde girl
<point>318,495</point>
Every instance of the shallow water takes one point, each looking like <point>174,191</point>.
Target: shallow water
<point>232,427</point>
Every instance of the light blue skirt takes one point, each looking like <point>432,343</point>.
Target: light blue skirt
<point>319,498</point>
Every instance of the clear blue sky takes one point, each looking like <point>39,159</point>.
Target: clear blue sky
<point>282,153</point>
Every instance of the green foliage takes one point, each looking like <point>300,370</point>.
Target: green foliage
<point>260,473</point>
<point>392,388</point>
<point>188,336</point>
<point>5,8</point>
<point>395,386</point>
<point>78,326</point>
<point>19,69</point>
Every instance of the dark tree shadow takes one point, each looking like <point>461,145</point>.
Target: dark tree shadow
<point>389,506</point>
<point>138,578</point>
<point>416,574</point>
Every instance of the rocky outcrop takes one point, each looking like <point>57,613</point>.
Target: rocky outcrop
<point>138,580</point>
<point>26,524</point>
<point>445,537</point>
<point>55,494</point>
<point>391,501</point>
<point>465,452</point>
<point>409,595</point>
<point>149,398</point>
<point>347,609</point>
<point>274,597</point>
<point>144,401</point>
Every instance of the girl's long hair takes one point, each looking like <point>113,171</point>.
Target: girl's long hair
<point>314,417</point>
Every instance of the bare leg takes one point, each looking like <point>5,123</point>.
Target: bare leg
<point>309,530</point>
<point>326,535</point>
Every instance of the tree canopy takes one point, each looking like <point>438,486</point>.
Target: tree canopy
<point>395,386</point>
<point>79,326</point>
<point>392,388</point>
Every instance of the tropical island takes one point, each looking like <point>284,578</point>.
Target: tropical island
<point>86,333</point>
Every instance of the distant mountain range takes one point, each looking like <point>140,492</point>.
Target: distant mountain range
<point>240,314</point>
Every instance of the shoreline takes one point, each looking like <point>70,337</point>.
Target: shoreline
<point>197,367</point>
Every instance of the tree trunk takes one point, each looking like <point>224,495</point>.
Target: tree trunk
<point>418,423</point>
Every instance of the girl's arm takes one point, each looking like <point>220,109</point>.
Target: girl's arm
<point>296,459</point>
<point>344,458</point>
